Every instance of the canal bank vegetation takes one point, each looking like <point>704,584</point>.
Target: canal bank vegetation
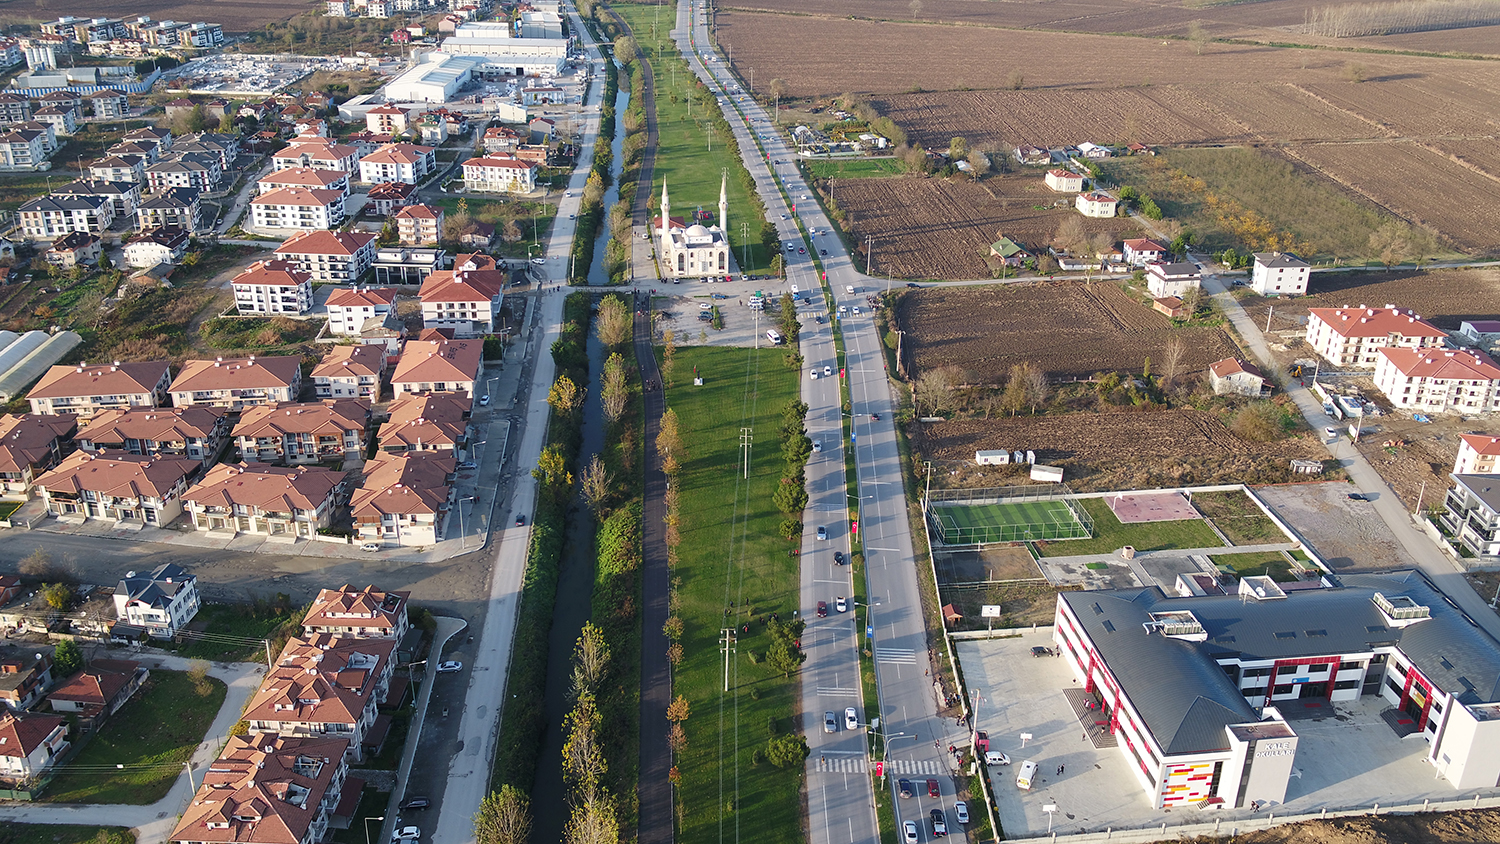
<point>632,156</point>
<point>738,755</point>
<point>591,205</point>
<point>613,487</point>
<point>524,718</point>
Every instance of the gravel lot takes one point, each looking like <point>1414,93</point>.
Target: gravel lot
<point>1348,535</point>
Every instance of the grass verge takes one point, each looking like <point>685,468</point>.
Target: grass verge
<point>1111,535</point>
<point>151,736</point>
<point>854,168</point>
<point>731,552</point>
<point>1269,563</point>
<point>238,632</point>
<point>46,833</point>
<point>1238,517</point>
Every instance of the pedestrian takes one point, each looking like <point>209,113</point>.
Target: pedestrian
<point>1060,769</point>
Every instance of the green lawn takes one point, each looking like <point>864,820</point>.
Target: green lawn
<point>234,631</point>
<point>1263,562</point>
<point>46,833</point>
<point>372,805</point>
<point>151,736</point>
<point>855,168</point>
<point>1110,535</point>
<point>731,551</point>
<point>690,154</point>
<point>1238,517</point>
<point>533,216</point>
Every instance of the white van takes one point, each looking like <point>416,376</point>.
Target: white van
<point>849,288</point>
<point>1025,775</point>
<point>774,336</point>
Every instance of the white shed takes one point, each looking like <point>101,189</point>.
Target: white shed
<point>992,457</point>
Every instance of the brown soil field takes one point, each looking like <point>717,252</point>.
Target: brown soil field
<point>1071,329</point>
<point>1415,183</point>
<point>1470,827</point>
<point>239,17</point>
<point>943,228</point>
<point>1425,456</point>
<point>1445,297</point>
<point>817,55</point>
<point>1122,450</point>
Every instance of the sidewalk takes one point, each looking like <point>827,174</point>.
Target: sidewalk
<point>153,824</point>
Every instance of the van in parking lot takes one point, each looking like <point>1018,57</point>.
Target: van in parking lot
<point>774,336</point>
<point>1026,775</point>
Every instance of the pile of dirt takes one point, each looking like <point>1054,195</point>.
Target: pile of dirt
<point>1475,827</point>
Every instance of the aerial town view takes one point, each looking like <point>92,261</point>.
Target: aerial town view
<point>615,422</point>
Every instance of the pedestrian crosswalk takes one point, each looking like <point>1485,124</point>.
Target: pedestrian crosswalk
<point>896,767</point>
<point>830,691</point>
<point>901,656</point>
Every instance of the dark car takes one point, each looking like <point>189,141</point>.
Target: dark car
<point>838,558</point>
<point>932,788</point>
<point>939,823</point>
<point>801,251</point>
<point>874,417</point>
<point>412,803</point>
<point>905,787</point>
<point>1358,496</point>
<point>913,285</point>
<point>823,252</point>
<point>822,609</point>
<point>520,520</point>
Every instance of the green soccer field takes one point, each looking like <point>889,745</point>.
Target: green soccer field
<point>1008,522</point>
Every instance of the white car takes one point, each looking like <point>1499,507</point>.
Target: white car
<point>961,811</point>
<point>705,306</point>
<point>828,372</point>
<point>851,719</point>
<point>540,262</point>
<point>450,667</point>
<point>909,832</point>
<point>370,546</point>
<point>817,446</point>
<point>815,374</point>
<point>406,833</point>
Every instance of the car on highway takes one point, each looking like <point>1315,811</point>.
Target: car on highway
<point>370,546</point>
<point>874,417</point>
<point>909,832</point>
<point>520,519</point>
<point>567,193</point>
<point>856,310</point>
<point>815,373</point>
<point>851,719</point>
<point>830,723</point>
<point>827,371</point>
<point>932,789</point>
<point>838,558</point>
<point>817,446</point>
<point>791,246</point>
<point>801,251</point>
<point>406,833</point>
<point>414,803</point>
<point>823,252</point>
<point>822,609</point>
<point>961,811</point>
<point>904,787</point>
<point>450,667</point>
<point>467,464</point>
<point>939,823</point>
<point>822,532</point>
<point>841,604</point>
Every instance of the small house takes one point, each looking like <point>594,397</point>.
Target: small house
<point>1479,332</point>
<point>1028,154</point>
<point>1171,306</point>
<point>1172,279</point>
<point>1092,150</point>
<point>1141,251</point>
<point>1096,204</point>
<point>1231,377</point>
<point>1064,181</point>
<point>1009,252</point>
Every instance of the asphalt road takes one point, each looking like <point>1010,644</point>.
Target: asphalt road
<point>839,804</point>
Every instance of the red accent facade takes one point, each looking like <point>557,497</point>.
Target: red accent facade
<point>1333,671</point>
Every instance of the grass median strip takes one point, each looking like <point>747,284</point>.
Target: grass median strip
<point>735,571</point>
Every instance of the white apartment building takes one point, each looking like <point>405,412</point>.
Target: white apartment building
<point>273,287</point>
<point>331,256</point>
<point>499,173</point>
<point>298,208</point>
<point>407,163</point>
<point>349,309</point>
<point>1279,274</point>
<point>1354,336</point>
<point>1439,380</point>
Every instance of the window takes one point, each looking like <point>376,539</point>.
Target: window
<point>1283,689</point>
<point>1344,685</point>
<point>1285,670</point>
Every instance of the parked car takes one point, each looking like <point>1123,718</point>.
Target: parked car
<point>961,811</point>
<point>450,667</point>
<point>830,723</point>
<point>904,787</point>
<point>1358,496</point>
<point>801,251</point>
<point>467,464</point>
<point>822,609</point>
<point>370,546</point>
<point>913,285</point>
<point>484,401</point>
<point>406,833</point>
<point>414,803</point>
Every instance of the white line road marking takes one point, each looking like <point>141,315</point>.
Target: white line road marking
<point>837,692</point>
<point>903,656</point>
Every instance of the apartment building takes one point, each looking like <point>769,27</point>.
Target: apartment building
<point>117,487</point>
<point>267,789</point>
<point>404,498</point>
<point>419,225</point>
<point>305,178</point>
<point>499,173</point>
<point>1353,336</point>
<point>437,422</point>
<point>351,372</point>
<point>160,603</point>
<point>438,366</point>
<point>86,389</point>
<point>174,207</point>
<point>237,384</point>
<point>30,444</point>
<point>272,287</point>
<point>298,208</point>
<point>198,432</point>
<point>1439,380</point>
<point>367,613</point>
<point>465,299</point>
<point>303,432</point>
<point>330,256</point>
<point>266,500</point>
<point>407,163</point>
<point>54,216</point>
<point>325,686</point>
<point>350,309</point>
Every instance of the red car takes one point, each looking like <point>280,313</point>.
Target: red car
<point>932,788</point>
<point>822,609</point>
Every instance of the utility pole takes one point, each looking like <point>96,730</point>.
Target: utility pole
<point>869,254</point>
<point>1268,318</point>
<point>726,643</point>
<point>744,245</point>
<point>747,435</point>
<point>1420,493</point>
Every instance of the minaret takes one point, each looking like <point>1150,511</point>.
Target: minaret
<point>724,204</point>
<point>666,210</point>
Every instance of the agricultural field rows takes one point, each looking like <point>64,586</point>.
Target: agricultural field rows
<point>1444,297</point>
<point>943,228</point>
<point>1070,329</point>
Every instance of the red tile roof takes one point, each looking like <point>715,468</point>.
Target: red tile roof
<point>446,361</point>
<point>237,374</point>
<point>404,483</point>
<point>1376,322</point>
<point>26,440</point>
<point>263,789</point>
<point>1442,365</point>
<point>352,297</point>
<point>367,359</point>
<point>119,475</point>
<point>280,489</point>
<point>326,243</point>
<point>99,379</point>
<point>273,273</point>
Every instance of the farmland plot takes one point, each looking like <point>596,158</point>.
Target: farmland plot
<point>1068,329</point>
<point>1417,184</point>
<point>1443,297</point>
<point>1418,108</point>
<point>943,228</point>
<point>1120,450</point>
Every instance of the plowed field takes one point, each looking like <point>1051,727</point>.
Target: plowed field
<point>1069,329</point>
<point>1122,450</point>
<point>943,228</point>
<point>1444,297</point>
<point>1417,184</point>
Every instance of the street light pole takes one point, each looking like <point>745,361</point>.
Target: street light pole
<point>367,827</point>
<point>463,533</point>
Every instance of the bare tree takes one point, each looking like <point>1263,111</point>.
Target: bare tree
<point>1016,395</point>
<point>1390,244</point>
<point>613,321</point>
<point>916,8</point>
<point>596,481</point>
<point>594,822</point>
<point>1037,388</point>
<point>590,659</point>
<point>979,162</point>
<point>1071,235</point>
<point>1015,80</point>
<point>1197,34</point>
<point>934,389</point>
<point>1171,360</point>
<point>504,818</point>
